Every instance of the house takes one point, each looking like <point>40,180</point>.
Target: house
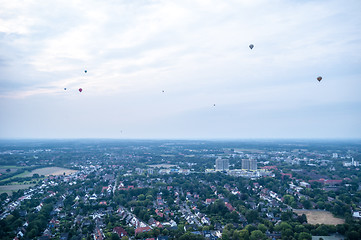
<point>142,229</point>
<point>99,235</point>
<point>356,215</point>
<point>210,200</point>
<point>206,220</point>
<point>305,184</point>
<point>120,232</point>
<point>159,213</point>
<point>229,206</point>
<point>47,233</point>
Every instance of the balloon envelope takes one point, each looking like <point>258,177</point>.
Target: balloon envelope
<point>85,71</point>
<point>251,46</point>
<point>319,78</point>
<point>80,89</point>
<point>65,88</point>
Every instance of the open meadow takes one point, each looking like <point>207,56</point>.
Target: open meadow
<point>50,171</point>
<point>13,188</point>
<point>47,171</point>
<point>319,217</point>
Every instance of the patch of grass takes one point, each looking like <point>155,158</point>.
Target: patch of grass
<point>7,167</point>
<point>13,188</point>
<point>16,176</point>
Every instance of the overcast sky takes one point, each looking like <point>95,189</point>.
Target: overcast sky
<point>197,52</point>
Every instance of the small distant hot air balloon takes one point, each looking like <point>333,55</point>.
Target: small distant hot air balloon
<point>85,71</point>
<point>214,105</point>
<point>65,88</point>
<point>319,78</point>
<point>251,46</point>
<point>162,90</point>
<point>80,89</point>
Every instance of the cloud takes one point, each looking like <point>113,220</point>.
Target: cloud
<point>197,51</point>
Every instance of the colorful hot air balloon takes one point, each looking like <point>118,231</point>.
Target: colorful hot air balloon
<point>319,78</point>
<point>251,46</point>
<point>80,89</point>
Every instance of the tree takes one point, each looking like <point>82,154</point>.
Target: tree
<point>288,199</point>
<point>302,218</point>
<point>257,235</point>
<point>282,226</point>
<point>191,236</point>
<point>165,232</point>
<point>244,234</point>
<point>306,204</point>
<point>287,233</point>
<point>114,236</point>
<point>300,228</point>
<point>304,236</point>
<point>353,235</point>
<point>141,197</point>
<point>262,227</point>
<point>252,216</point>
<point>322,230</point>
<point>3,196</point>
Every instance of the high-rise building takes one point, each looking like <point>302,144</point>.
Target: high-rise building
<point>249,164</point>
<point>245,164</point>
<point>222,164</point>
<point>252,164</point>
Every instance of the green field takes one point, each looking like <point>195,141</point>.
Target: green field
<point>11,188</point>
<point>24,174</point>
<point>6,167</point>
<point>42,171</point>
<point>12,169</point>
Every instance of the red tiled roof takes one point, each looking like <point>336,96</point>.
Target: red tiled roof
<point>142,229</point>
<point>120,231</point>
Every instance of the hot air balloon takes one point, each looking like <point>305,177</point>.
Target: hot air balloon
<point>251,46</point>
<point>65,88</point>
<point>85,71</point>
<point>319,78</point>
<point>80,89</point>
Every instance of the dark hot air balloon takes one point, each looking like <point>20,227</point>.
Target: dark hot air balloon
<point>85,71</point>
<point>65,88</point>
<point>80,89</point>
<point>251,46</point>
<point>319,78</point>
